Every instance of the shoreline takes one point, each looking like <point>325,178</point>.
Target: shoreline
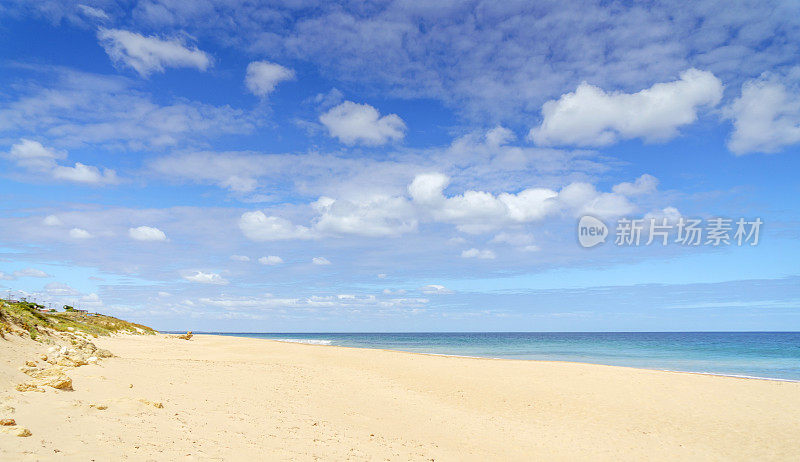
<point>225,397</point>
<point>311,343</point>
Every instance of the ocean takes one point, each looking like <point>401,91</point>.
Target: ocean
<point>770,355</point>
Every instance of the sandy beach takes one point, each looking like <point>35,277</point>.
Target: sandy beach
<point>226,398</point>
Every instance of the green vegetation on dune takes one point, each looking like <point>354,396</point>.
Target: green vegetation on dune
<point>32,318</point>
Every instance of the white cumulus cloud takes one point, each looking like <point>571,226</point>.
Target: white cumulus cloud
<point>671,214</point>
<point>36,158</point>
<point>82,173</point>
<point>260,227</point>
<point>766,117</point>
<point>515,239</point>
<point>52,220</point>
<point>472,212</point>
<point>270,260</point>
<point>240,258</point>
<point>480,211</point>
<point>376,216</point>
<point>205,278</point>
<point>355,123</point>
<point>263,76</point>
<point>477,253</point>
<point>320,261</point>
<point>643,185</point>
<point>585,199</point>
<point>590,116</point>
<point>79,233</point>
<point>435,289</point>
<point>60,290</point>
<point>147,233</point>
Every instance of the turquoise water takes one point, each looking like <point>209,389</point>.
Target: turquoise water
<point>774,355</point>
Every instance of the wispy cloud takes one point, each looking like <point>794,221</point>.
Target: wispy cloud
<point>78,109</point>
<point>435,289</point>
<point>150,54</point>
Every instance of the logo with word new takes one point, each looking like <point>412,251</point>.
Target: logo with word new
<point>591,231</point>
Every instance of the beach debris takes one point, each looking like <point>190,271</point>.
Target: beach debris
<point>99,407</point>
<point>7,422</point>
<point>16,430</point>
<point>155,404</point>
<point>31,363</point>
<point>186,336</point>
<point>43,357</point>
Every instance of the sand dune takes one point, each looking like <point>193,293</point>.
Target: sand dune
<point>215,398</point>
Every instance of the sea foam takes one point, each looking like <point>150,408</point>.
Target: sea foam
<point>308,341</point>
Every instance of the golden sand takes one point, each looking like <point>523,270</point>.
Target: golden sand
<point>214,398</point>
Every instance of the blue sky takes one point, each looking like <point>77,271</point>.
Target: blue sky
<point>399,166</point>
